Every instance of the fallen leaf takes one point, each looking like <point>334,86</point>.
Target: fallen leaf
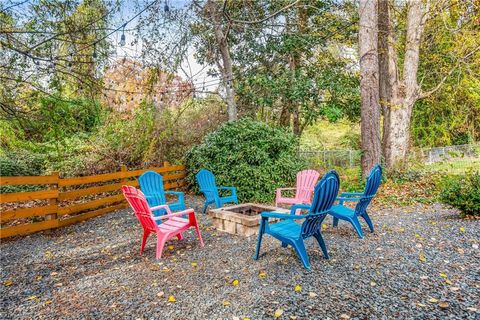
<point>160,294</point>
<point>39,278</point>
<point>194,264</point>
<point>373,284</point>
<point>433,300</point>
<point>422,257</point>
<point>443,275</point>
<point>171,299</point>
<point>462,229</point>
<point>32,297</point>
<point>312,294</point>
<point>472,309</point>
<point>226,303</point>
<point>443,304</point>
<point>262,274</point>
<point>235,282</point>
<point>278,313</point>
<point>421,305</point>
<point>324,226</point>
<point>293,317</point>
<point>7,283</point>
<point>171,247</point>
<point>448,282</point>
<point>48,302</point>
<point>344,316</point>
<point>454,288</point>
<point>298,288</point>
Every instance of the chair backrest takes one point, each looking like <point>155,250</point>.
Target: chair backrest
<point>206,181</point>
<point>373,183</point>
<point>151,184</point>
<point>139,204</point>
<point>306,181</point>
<point>324,196</point>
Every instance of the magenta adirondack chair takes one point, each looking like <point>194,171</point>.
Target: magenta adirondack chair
<point>306,181</point>
<point>172,224</point>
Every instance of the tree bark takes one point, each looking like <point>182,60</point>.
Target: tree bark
<point>369,85</point>
<point>398,95</point>
<point>214,12</point>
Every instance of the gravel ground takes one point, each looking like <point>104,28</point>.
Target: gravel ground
<point>422,262</point>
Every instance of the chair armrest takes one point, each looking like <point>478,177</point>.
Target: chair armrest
<point>268,214</point>
<point>233,190</point>
<point>299,206</point>
<point>163,206</point>
<point>176,214</point>
<point>279,191</point>
<point>347,199</point>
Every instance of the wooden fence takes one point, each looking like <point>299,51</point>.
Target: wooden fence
<point>69,200</point>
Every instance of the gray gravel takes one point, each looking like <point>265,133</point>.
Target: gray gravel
<point>422,262</point>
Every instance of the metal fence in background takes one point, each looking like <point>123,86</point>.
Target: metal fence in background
<point>458,158</point>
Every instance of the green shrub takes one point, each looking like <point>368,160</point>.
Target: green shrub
<point>250,155</point>
<point>462,192</point>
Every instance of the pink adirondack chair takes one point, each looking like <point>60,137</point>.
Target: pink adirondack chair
<point>172,224</point>
<point>306,181</point>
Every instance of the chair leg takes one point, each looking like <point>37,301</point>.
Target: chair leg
<point>180,236</point>
<point>205,208</point>
<point>368,221</point>
<point>335,222</point>
<point>284,244</point>
<point>144,240</point>
<point>302,253</point>
<point>322,244</point>
<point>356,225</point>
<point>160,243</point>
<point>198,234</point>
<point>261,230</point>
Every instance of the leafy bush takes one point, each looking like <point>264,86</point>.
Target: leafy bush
<point>149,136</point>
<point>250,155</point>
<point>462,192</point>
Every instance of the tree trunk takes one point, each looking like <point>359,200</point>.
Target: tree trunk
<point>214,12</point>
<point>398,96</point>
<point>369,85</point>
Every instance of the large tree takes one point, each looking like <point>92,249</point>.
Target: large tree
<point>369,85</point>
<point>399,44</point>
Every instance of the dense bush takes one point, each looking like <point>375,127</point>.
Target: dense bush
<point>462,192</point>
<point>250,155</point>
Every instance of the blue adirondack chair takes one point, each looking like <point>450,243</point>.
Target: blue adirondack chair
<point>363,198</point>
<point>151,184</point>
<point>206,181</point>
<point>291,233</point>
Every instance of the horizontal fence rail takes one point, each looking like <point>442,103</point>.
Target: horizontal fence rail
<point>65,201</point>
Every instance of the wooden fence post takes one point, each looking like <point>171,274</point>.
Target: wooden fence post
<point>124,170</point>
<point>53,201</point>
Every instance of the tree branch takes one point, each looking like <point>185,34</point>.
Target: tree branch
<point>425,94</point>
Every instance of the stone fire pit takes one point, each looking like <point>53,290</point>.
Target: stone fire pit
<point>241,219</point>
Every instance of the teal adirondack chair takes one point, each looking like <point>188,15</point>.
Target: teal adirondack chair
<point>208,186</point>
<point>291,233</point>
<point>363,198</point>
<point>151,184</point>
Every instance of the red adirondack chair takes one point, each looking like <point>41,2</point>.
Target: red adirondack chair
<point>306,181</point>
<point>166,226</point>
